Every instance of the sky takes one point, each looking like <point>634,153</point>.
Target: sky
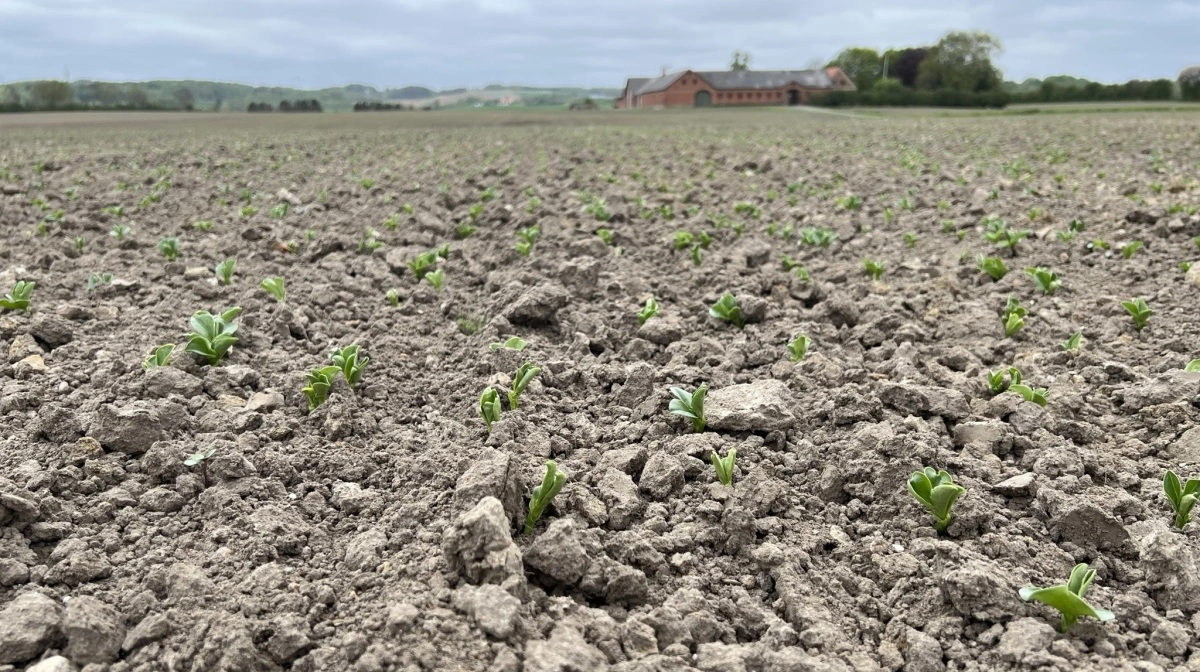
<point>472,43</point>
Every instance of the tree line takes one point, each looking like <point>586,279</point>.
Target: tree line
<point>311,105</point>
<point>50,95</point>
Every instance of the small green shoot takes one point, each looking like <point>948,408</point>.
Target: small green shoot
<point>1013,317</point>
<point>464,230</point>
<point>937,491</point>
<point>728,310</point>
<point>1182,496</point>
<point>489,407</point>
<point>648,311</point>
<point>1193,366</point>
<point>1045,279</point>
<point>169,247</point>
<point>225,271</point>
<point>1068,599</point>
<point>423,264</point>
<point>18,298</point>
<point>1129,250</point>
<point>200,458</point>
<point>514,343</point>
<point>994,267</point>
<point>724,466</point>
<point>436,278</point>
<point>350,363</point>
<point>119,231</point>
<point>606,235</point>
<point>799,347</point>
<point>525,375</point>
<point>393,297</point>
<point>212,335</point>
<point>1072,343</point>
<point>873,268</point>
<point>203,225</point>
<point>689,405</point>
<point>319,383</point>
<point>97,279</point>
<point>1139,310</point>
<point>999,381</point>
<point>539,499</point>
<point>159,356</point>
<point>1035,394</point>
<point>910,240</point>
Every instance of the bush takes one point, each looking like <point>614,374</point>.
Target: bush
<point>892,96</point>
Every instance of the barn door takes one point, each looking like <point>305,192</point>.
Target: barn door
<point>703,99</point>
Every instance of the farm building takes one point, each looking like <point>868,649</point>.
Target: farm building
<point>690,88</point>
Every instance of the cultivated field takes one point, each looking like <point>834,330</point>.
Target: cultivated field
<point>193,514</point>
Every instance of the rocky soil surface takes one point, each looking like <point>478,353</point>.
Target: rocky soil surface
<point>382,531</point>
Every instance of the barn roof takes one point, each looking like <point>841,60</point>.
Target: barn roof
<point>635,83</point>
<point>743,79</point>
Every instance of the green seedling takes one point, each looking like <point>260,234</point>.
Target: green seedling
<point>539,499</point>
<point>728,310</point>
<point>529,237</point>
<point>423,264</point>
<point>212,335</point>
<point>465,230</point>
<point>350,363</point>
<point>1045,279</point>
<point>200,459</point>
<point>159,356</point>
<point>910,240</point>
<point>525,375</point>
<point>169,247</point>
<point>319,383</point>
<point>873,268</point>
<point>442,251</point>
<point>80,242</point>
<point>1193,366</point>
<point>97,279</point>
<point>683,239</point>
<point>203,225</point>
<point>274,287</point>
<point>18,298</point>
<point>648,311</point>
<point>999,381</point>
<point>937,491</point>
<point>225,271</point>
<point>436,278</point>
<point>393,297</point>
<point>994,267</point>
<point>1035,394</point>
<point>1139,311</point>
<point>119,231</point>
<point>370,242</point>
<point>248,211</point>
<point>689,405</point>
<point>514,343</point>
<point>606,235</point>
<point>819,237</point>
<point>1182,496</point>
<point>799,347</point>
<point>1072,343</point>
<point>1129,250</point>
<point>1013,317</point>
<point>489,407</point>
<point>1066,236</point>
<point>697,254</point>
<point>724,466</point>
<point>392,222</point>
<point>1077,225</point>
<point>1068,599</point>
<point>852,202</point>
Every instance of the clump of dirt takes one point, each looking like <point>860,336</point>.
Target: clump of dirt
<point>382,530</point>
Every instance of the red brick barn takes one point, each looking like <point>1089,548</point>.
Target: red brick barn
<point>730,88</point>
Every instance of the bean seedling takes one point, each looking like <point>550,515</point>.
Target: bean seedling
<point>274,287</point>
<point>97,279</point>
<point>18,298</point>
<point>999,381</point>
<point>529,237</point>
<point>724,466</point>
<point>1139,311</point>
<point>1068,598</point>
<point>1072,343</point>
<point>423,264</point>
<point>910,240</point>
<point>525,375</point>
<point>159,357</point>
<point>212,335</point>
<point>994,267</point>
<point>1181,495</point>
<point>539,499</point>
<point>1013,317</point>
<point>319,383</point>
<point>489,407</point>
<point>648,311</point>
<point>937,491</point>
<point>225,271</point>
<point>1045,279</point>
<point>689,405</point>
<point>393,297</point>
<point>1193,366</point>
<point>1129,250</point>
<point>200,458</point>
<point>514,343</point>
<point>119,231</point>
<point>873,268</point>
<point>1035,394</point>
<point>169,247</point>
<point>728,309</point>
<point>436,278</point>
<point>799,347</point>
<point>350,363</point>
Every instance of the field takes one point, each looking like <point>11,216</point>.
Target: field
<point>199,513</point>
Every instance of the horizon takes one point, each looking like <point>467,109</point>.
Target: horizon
<point>468,44</point>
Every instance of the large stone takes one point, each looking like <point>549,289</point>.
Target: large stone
<point>30,624</point>
<point>977,590</point>
<point>1089,526</point>
<point>537,306</point>
<point>493,610</point>
<point>1186,448</point>
<point>557,553</point>
<point>134,427</point>
<point>1172,571</point>
<point>913,399</point>
<point>662,476</point>
<point>1025,638</point>
<point>94,631</point>
<point>565,651</point>
<point>761,406</point>
<point>51,330</point>
<point>479,546</point>
<point>620,495</point>
<point>151,629</point>
<point>163,381</point>
<point>493,474</point>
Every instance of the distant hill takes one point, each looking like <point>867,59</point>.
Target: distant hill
<point>226,96</point>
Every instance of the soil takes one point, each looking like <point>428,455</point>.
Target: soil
<point>382,531</point>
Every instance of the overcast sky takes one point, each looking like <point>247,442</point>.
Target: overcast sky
<point>455,43</point>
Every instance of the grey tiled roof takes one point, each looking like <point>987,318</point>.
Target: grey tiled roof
<point>744,79</point>
<point>634,83</point>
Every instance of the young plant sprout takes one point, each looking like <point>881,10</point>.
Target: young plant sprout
<point>529,237</point>
<point>873,268</point>
<point>203,225</point>
<point>1013,317</point>
<point>648,311</point>
<point>999,381</point>
<point>319,383</point>
<point>727,309</point>
<point>80,243</point>
<point>799,347</point>
<point>489,407</point>
<point>910,240</point>
<point>697,254</point>
<point>684,239</point>
<point>1182,496</point>
<point>370,242</point>
<point>539,499</point>
<point>97,279</point>
<point>606,235</point>
<point>436,278</point>
<point>350,363</point>
<point>393,297</point>
<point>225,271</point>
<point>1139,311</point>
<point>274,287</point>
<point>1193,366</point>
<point>724,466</point>
<point>119,231</point>
<point>464,230</point>
<point>994,267</point>
<point>525,375</point>
<point>200,458</point>
<point>1072,343</point>
<point>159,357</point>
<point>937,491</point>
<point>212,335</point>
<point>18,297</point>
<point>689,405</point>
<point>1035,394</point>
<point>1129,250</point>
<point>169,247</point>
<point>1068,599</point>
<point>514,343</point>
<point>423,264</point>
<point>1045,279</point>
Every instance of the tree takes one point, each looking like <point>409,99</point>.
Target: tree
<point>961,61</point>
<point>904,64</point>
<point>741,61</point>
<point>861,65</point>
<point>1189,83</point>
<point>50,94</point>
<point>185,98</point>
<point>10,97</point>
<point>136,97</point>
